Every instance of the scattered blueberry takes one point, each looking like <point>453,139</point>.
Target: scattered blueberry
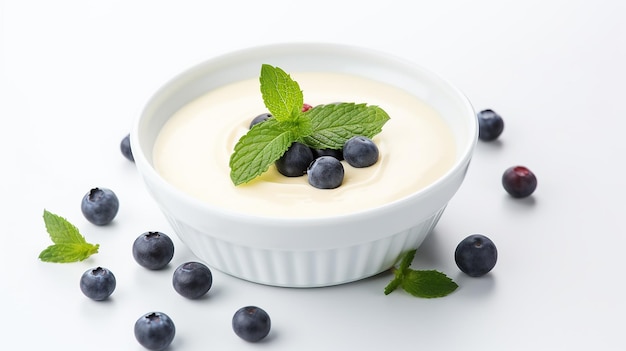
<point>295,161</point>
<point>260,118</point>
<point>97,283</point>
<point>306,107</point>
<point>325,172</point>
<point>490,125</point>
<point>153,250</point>
<point>360,151</point>
<point>251,323</point>
<point>192,279</point>
<point>519,181</point>
<point>125,147</point>
<point>100,206</point>
<point>155,331</point>
<point>336,153</point>
<point>476,255</point>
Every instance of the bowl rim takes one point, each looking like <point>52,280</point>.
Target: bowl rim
<point>147,170</point>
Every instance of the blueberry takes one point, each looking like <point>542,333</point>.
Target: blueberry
<point>100,206</point>
<point>192,279</point>
<point>519,181</point>
<point>295,161</point>
<point>325,172</point>
<point>476,255</point>
<point>153,250</point>
<point>360,151</point>
<point>155,331</point>
<point>251,323</point>
<point>260,118</point>
<point>125,148</point>
<point>490,125</point>
<point>97,283</point>
<point>336,153</point>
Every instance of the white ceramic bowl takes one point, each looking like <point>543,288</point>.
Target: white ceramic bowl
<point>305,252</point>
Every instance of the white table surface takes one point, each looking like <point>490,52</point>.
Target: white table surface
<point>76,73</point>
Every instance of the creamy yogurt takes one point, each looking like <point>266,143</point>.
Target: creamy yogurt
<point>193,148</point>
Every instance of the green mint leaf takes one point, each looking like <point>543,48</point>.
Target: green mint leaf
<point>61,231</point>
<point>65,253</point>
<point>399,272</point>
<point>332,125</point>
<point>281,94</point>
<point>265,143</point>
<point>69,244</point>
<point>420,283</point>
<point>427,283</point>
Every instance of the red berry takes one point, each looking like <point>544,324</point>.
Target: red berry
<point>306,107</point>
<point>519,181</point>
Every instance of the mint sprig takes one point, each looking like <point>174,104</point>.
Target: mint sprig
<point>420,283</point>
<point>322,127</point>
<point>69,244</point>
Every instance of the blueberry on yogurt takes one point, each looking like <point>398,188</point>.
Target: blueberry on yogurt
<point>360,151</point>
<point>325,172</point>
<point>336,153</point>
<point>295,161</point>
<point>260,118</point>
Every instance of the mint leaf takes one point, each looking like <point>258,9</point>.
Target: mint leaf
<point>69,244</point>
<point>65,253</point>
<point>332,125</point>
<point>61,231</point>
<point>265,143</point>
<point>427,283</point>
<point>282,95</point>
<point>420,283</point>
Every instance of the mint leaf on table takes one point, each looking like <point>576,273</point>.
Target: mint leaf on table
<point>324,126</point>
<point>420,283</point>
<point>427,283</point>
<point>69,244</point>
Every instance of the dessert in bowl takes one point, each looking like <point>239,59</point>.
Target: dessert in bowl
<point>279,230</point>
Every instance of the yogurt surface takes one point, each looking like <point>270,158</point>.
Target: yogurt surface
<point>193,149</point>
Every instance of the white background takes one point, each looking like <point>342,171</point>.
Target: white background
<point>76,73</point>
